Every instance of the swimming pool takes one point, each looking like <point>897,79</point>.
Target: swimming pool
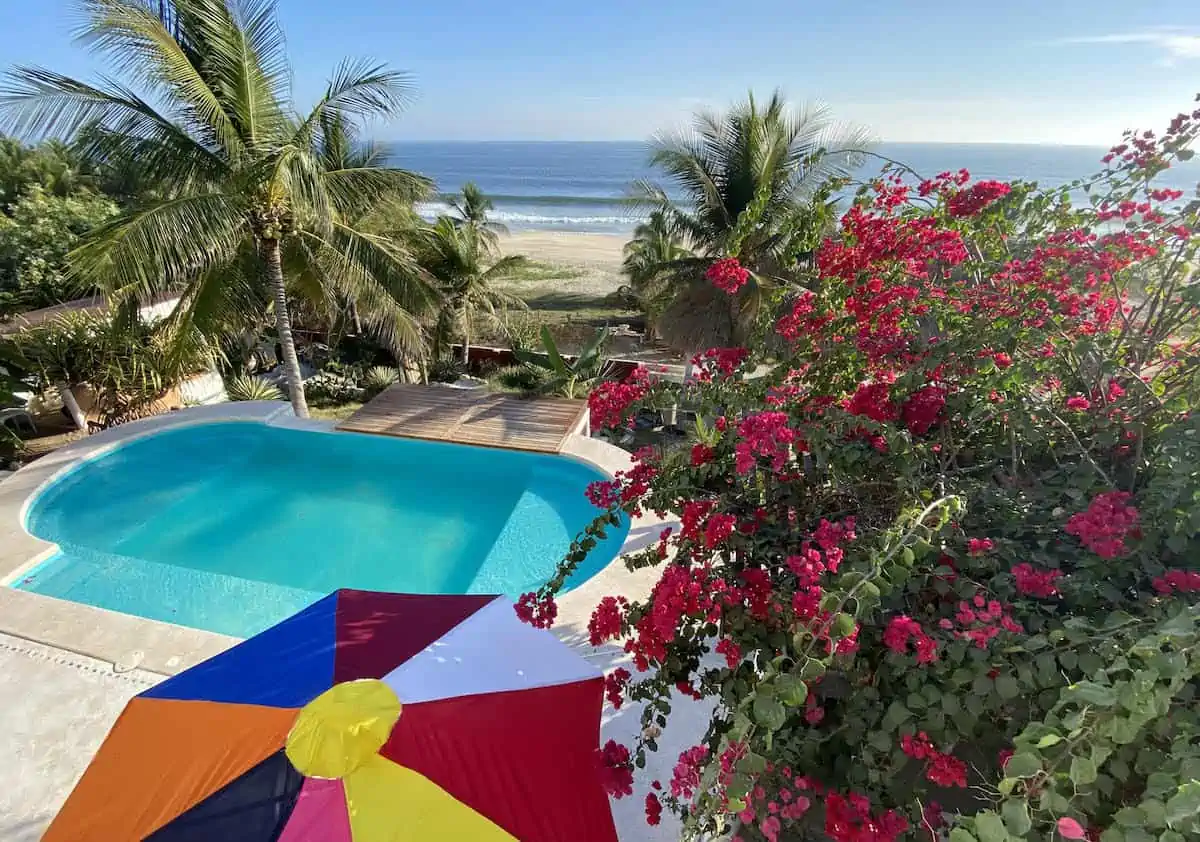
<point>232,526</point>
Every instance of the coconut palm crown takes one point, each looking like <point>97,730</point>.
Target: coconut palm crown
<point>746,184</point>
<point>460,262</point>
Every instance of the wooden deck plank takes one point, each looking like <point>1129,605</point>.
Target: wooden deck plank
<point>464,416</point>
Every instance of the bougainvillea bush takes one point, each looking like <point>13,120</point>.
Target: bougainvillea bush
<point>937,560</point>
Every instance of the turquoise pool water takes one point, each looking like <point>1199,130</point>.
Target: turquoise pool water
<point>232,526</point>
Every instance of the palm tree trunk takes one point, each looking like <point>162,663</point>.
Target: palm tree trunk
<point>466,338</point>
<point>283,326</point>
<point>72,407</point>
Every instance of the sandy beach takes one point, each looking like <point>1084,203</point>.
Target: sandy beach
<point>600,250</point>
<point>594,258</point>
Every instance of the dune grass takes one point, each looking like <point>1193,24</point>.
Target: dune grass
<point>538,270</point>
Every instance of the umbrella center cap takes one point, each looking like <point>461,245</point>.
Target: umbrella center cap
<point>342,728</point>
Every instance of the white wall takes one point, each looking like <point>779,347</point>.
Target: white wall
<point>203,389</point>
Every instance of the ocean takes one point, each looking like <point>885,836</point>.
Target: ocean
<point>578,186</point>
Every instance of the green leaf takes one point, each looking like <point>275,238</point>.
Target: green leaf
<point>1016,816</point>
<point>1083,771</point>
<point>1156,813</point>
<point>896,714</point>
<point>769,712</point>
<point>752,764</point>
<point>1159,783</point>
<point>791,690</point>
<point>1049,740</point>
<point>812,669</point>
<point>1007,687</point>
<point>1184,804</point>
<point>1094,694</point>
<point>961,834</point>
<point>1122,731</point>
<point>739,786</point>
<point>1129,817</point>
<point>1036,642</point>
<point>1022,765</point>
<point>990,827</point>
<point>843,626</point>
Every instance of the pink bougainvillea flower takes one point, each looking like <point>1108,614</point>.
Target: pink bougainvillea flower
<point>653,809</point>
<point>616,769</point>
<point>979,546</point>
<point>539,613</point>
<point>728,275</point>
<point>1108,521</point>
<point>1032,582</point>
<point>1068,828</point>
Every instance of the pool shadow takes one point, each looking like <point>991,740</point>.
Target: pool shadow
<point>641,537</point>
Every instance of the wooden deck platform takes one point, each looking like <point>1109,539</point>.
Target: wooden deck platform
<point>469,416</point>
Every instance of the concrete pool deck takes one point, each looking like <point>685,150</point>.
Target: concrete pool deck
<point>67,669</point>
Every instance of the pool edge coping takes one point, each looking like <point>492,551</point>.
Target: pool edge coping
<point>128,641</point>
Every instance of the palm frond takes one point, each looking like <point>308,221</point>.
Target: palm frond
<point>358,190</point>
<point>244,60</point>
<point>160,247</point>
<point>504,266</point>
<point>359,90</point>
<point>388,288</point>
<point>296,183</point>
<point>135,39</point>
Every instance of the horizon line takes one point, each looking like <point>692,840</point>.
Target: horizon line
<point>647,141</point>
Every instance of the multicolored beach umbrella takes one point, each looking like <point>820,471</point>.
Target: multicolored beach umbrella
<point>367,717</point>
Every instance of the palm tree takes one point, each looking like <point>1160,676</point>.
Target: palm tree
<point>655,244</point>
<point>471,210</point>
<point>655,250</point>
<point>456,257</point>
<point>749,181</point>
<point>244,193</point>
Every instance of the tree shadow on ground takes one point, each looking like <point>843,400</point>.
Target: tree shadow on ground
<point>564,301</point>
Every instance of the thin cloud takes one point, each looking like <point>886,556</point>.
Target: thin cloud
<point>1176,44</point>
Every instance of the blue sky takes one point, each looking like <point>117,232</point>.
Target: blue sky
<point>1049,71</point>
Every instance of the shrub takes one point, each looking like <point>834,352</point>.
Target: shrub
<point>130,365</point>
<point>246,387</point>
<point>329,387</point>
<point>525,379</point>
<point>938,567</point>
<point>446,371</point>
<point>379,378</point>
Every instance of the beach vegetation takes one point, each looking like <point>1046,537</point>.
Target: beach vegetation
<point>753,183</point>
<point>37,232</point>
<point>567,376</point>
<point>462,267</point>
<point>470,209</point>
<point>248,387</point>
<point>126,366</point>
<point>378,378</point>
<point>247,211</point>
